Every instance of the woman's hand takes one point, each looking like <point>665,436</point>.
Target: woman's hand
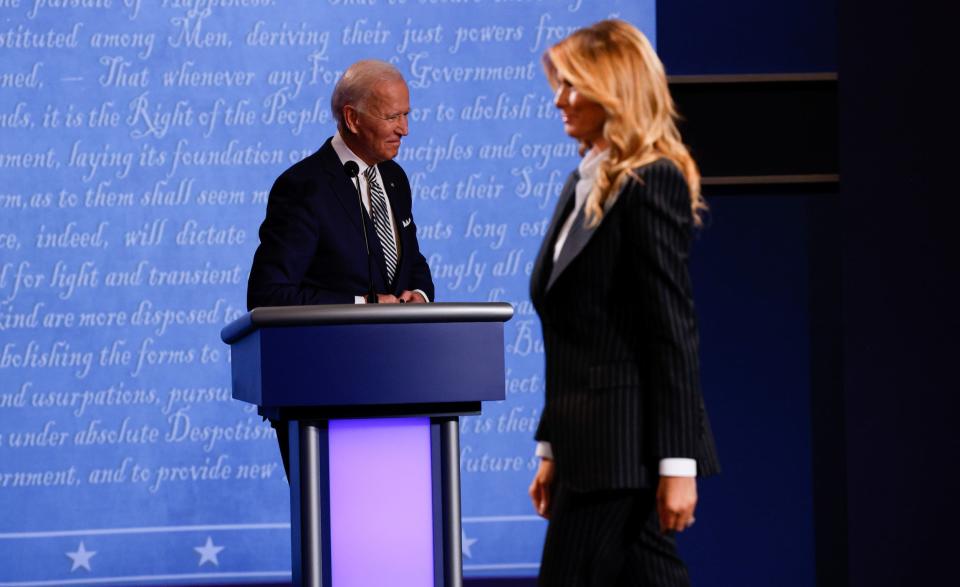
<point>541,488</point>
<point>676,500</point>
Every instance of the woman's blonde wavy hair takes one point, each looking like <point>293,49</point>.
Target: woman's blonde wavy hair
<point>612,63</point>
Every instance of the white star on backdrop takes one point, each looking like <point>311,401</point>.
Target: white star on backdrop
<point>81,557</point>
<point>466,543</point>
<point>208,553</point>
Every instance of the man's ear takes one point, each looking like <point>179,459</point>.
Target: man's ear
<point>350,116</point>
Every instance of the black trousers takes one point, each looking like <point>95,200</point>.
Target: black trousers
<point>608,539</point>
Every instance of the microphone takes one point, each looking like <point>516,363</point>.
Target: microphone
<point>353,171</point>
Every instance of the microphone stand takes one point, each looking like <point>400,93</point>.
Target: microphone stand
<point>353,172</point>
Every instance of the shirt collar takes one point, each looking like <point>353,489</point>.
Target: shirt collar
<point>345,154</point>
<point>588,175</point>
<point>591,163</point>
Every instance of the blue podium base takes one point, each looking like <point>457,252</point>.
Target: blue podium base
<point>376,502</point>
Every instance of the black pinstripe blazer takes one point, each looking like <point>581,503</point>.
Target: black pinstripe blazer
<point>620,336</point>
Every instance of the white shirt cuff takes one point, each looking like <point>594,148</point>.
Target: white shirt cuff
<point>678,467</point>
<point>424,294</point>
<point>543,450</point>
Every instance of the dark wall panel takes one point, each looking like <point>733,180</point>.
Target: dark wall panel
<point>747,36</point>
<point>751,278</point>
<point>900,294</point>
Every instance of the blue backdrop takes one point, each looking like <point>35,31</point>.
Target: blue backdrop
<point>139,141</point>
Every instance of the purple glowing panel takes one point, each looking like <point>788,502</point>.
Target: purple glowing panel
<point>381,514</point>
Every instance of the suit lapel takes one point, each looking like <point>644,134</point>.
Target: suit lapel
<point>345,191</point>
<point>342,186</point>
<point>544,263</point>
<point>577,239</point>
<point>393,197</point>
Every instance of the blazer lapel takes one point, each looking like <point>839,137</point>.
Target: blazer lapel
<point>544,263</point>
<point>577,239</point>
<point>346,192</point>
<point>342,186</point>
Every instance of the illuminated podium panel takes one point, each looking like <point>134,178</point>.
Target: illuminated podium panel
<point>372,394</point>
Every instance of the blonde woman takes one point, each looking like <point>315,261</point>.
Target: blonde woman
<point>624,433</point>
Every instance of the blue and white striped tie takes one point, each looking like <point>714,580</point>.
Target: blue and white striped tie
<point>381,221</point>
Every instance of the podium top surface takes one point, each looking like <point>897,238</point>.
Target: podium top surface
<point>279,316</point>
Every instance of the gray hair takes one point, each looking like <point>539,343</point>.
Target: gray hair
<point>357,83</point>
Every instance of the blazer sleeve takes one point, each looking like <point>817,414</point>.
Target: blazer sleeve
<point>659,233</point>
<point>543,427</point>
<point>420,273</point>
<point>289,237</point>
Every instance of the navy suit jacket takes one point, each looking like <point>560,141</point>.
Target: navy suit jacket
<point>620,338</point>
<point>311,243</point>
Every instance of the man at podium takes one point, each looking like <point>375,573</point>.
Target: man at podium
<point>320,242</point>
<point>339,224</point>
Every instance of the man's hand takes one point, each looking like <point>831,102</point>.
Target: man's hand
<point>407,297</point>
<point>411,297</point>
<point>541,488</point>
<point>676,500</point>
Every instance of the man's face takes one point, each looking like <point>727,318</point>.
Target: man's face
<point>380,123</point>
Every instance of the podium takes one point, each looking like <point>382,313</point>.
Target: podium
<point>372,395</point>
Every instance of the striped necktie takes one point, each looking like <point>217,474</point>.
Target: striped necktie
<point>381,221</point>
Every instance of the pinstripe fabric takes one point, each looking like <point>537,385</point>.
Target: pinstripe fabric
<point>609,539</point>
<point>381,220</point>
<point>620,335</point>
